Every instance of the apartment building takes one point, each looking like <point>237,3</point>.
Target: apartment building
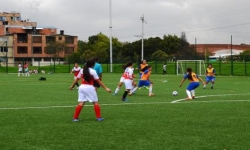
<point>26,41</point>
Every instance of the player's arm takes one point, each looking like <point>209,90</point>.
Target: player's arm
<point>201,80</point>
<point>183,80</point>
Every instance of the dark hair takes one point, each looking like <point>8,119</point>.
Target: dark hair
<point>189,70</point>
<point>96,59</point>
<point>130,63</point>
<point>90,63</point>
<point>145,68</point>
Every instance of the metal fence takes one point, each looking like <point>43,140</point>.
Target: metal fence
<point>236,68</point>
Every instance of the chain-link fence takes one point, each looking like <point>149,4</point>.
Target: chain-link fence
<point>222,67</point>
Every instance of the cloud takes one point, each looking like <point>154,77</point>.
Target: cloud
<point>210,21</point>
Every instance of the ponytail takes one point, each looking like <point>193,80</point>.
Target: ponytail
<point>90,63</point>
<point>189,70</point>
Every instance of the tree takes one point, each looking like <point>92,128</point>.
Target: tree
<point>159,55</point>
<point>56,49</point>
<point>245,56</point>
<point>170,44</point>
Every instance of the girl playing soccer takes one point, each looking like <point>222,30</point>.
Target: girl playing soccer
<point>121,83</point>
<point>194,83</point>
<point>87,91</point>
<point>210,76</point>
<point>145,81</point>
<point>128,79</point>
<point>76,70</point>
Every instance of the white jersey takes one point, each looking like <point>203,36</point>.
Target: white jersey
<point>76,71</point>
<point>20,68</point>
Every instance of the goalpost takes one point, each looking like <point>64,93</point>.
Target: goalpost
<point>198,66</point>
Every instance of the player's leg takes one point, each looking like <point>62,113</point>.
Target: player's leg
<point>212,82</point>
<point>207,81</point>
<point>81,101</point>
<point>128,87</point>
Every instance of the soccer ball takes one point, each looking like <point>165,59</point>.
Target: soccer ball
<point>175,93</point>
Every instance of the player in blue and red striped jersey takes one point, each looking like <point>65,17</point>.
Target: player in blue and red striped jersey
<point>76,70</point>
<point>87,90</point>
<point>194,83</point>
<point>210,76</point>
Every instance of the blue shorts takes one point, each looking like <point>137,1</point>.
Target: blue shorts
<point>193,85</point>
<point>210,78</point>
<point>143,83</point>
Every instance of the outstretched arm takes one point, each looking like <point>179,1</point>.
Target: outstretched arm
<point>182,81</point>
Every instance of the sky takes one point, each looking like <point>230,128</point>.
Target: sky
<point>203,21</point>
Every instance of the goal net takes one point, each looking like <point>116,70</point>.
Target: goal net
<point>198,66</point>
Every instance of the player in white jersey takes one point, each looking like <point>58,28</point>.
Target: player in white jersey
<point>76,70</point>
<point>87,90</point>
<point>20,69</point>
<point>128,79</point>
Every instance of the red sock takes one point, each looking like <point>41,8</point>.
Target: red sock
<point>77,111</point>
<point>97,111</point>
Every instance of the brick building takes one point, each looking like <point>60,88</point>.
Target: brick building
<point>213,48</point>
<point>27,42</point>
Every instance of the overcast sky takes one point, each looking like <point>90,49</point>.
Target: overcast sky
<point>209,21</point>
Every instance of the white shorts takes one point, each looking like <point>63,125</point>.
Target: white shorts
<point>128,84</point>
<point>87,93</point>
<point>122,79</point>
<point>75,77</point>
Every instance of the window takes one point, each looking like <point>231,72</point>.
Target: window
<point>69,50</point>
<point>60,38</point>
<point>22,50</point>
<point>3,49</point>
<point>69,40</point>
<point>46,59</point>
<point>37,39</point>
<point>22,38</point>
<point>37,50</point>
<point>37,59</point>
<point>50,39</point>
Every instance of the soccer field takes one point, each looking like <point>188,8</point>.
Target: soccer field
<point>37,115</point>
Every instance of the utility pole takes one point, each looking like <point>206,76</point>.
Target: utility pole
<point>110,37</point>
<point>142,36</point>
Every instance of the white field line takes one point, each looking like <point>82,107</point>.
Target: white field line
<point>127,103</point>
<point>179,100</point>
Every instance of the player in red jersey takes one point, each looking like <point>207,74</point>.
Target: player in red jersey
<point>76,70</point>
<point>87,90</point>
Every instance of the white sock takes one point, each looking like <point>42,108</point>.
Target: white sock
<point>193,93</point>
<point>134,89</point>
<point>188,94</point>
<point>150,89</point>
<point>117,89</point>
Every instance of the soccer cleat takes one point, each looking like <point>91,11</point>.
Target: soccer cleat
<point>188,98</point>
<point>100,119</point>
<point>114,94</point>
<point>75,120</point>
<point>124,99</point>
<point>139,88</point>
<point>147,87</point>
<point>151,94</point>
